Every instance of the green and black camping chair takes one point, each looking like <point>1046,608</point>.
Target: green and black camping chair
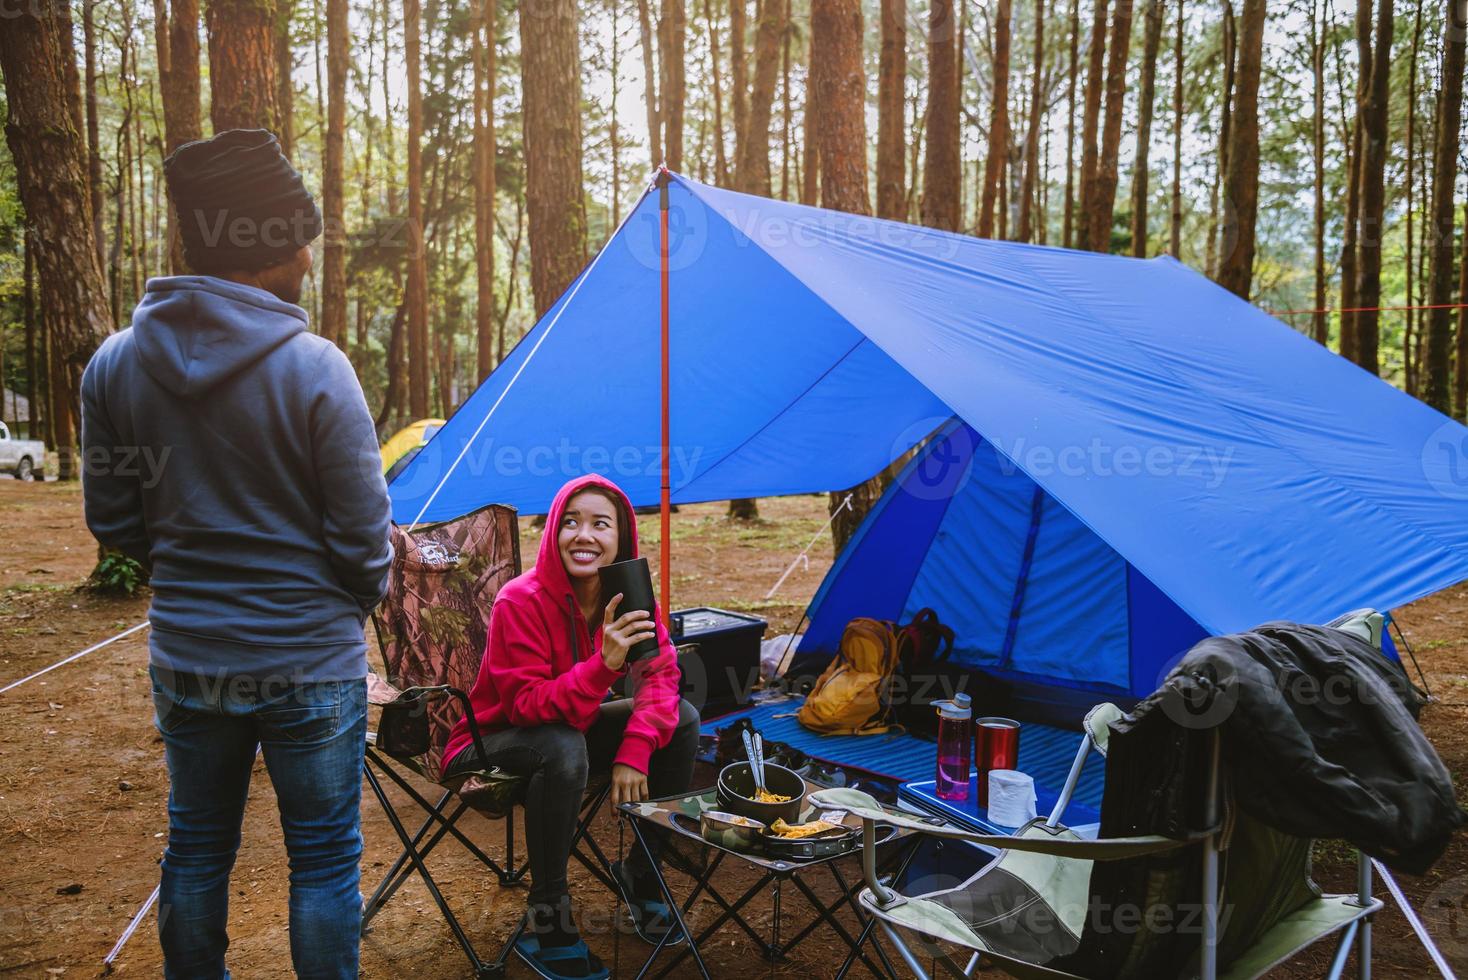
<point>1177,884</point>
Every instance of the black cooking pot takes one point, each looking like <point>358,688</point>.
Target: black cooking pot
<point>736,793</point>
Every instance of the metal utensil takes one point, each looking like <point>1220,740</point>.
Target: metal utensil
<point>759,761</point>
<point>754,767</point>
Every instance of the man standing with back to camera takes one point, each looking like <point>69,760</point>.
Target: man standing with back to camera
<point>266,533</point>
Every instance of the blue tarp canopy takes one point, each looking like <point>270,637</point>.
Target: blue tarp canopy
<point>1240,471</point>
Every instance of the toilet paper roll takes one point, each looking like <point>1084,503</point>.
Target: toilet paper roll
<point>1011,798</point>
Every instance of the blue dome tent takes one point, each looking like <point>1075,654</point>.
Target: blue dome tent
<point>1152,458</point>
<point>1036,599</point>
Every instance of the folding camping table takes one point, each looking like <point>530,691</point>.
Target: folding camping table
<point>678,817</point>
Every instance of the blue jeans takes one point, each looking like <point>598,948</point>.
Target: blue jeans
<point>312,737</point>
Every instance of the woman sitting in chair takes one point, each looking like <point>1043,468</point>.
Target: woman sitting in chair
<point>556,647</point>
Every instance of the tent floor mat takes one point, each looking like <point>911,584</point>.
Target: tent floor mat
<point>1045,752</point>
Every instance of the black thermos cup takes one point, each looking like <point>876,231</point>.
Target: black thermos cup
<point>634,581</point>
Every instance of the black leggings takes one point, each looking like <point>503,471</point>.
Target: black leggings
<point>556,760</point>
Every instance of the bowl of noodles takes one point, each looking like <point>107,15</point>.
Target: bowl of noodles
<point>783,799</point>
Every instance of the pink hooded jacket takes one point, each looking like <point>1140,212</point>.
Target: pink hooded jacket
<point>543,665</point>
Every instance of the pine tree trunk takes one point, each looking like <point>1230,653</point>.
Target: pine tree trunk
<point>242,65</point>
<point>721,156</point>
<point>753,172</point>
<point>891,92</point>
<point>333,178</point>
<point>94,147</point>
<point>1103,198</point>
<point>810,173</point>
<point>672,34</point>
<point>1319,323</point>
<point>33,340</point>
<point>1067,234</point>
<point>285,64</point>
<point>1461,380</point>
<point>839,80</point>
<point>650,83</point>
<point>176,37</point>
<point>1411,368</point>
<point>484,156</point>
<point>998,147</point>
<point>1241,182</point>
<point>1091,122</point>
<point>1175,219</point>
<point>739,72</point>
<point>48,147</point>
<point>785,151</point>
<point>1349,238</point>
<point>416,297</point>
<point>1152,40</point>
<point>1230,60</point>
<point>941,198</point>
<point>551,79</point>
<point>1027,205</point>
<point>1436,391</point>
<point>1373,197</point>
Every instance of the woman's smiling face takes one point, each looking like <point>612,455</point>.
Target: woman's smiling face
<point>588,535</point>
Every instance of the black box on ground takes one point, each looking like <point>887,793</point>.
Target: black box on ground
<point>718,655</point>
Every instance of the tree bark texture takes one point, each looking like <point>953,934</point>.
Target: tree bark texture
<point>1175,220</point>
<point>94,147</point>
<point>1027,207</point>
<point>672,37</point>
<point>1152,41</point>
<point>1067,233</point>
<point>1241,182</point>
<point>285,64</point>
<point>650,83</point>
<point>1373,196</point>
<point>416,297</point>
<point>551,80</point>
<point>942,174</point>
<point>333,179</point>
<point>484,184</point>
<point>44,131</point>
<point>1349,237</point>
<point>739,72</point>
<point>721,157</point>
<point>1091,120</point>
<point>1436,391</point>
<point>1103,198</point>
<point>1319,323</point>
<point>998,147</point>
<point>753,172</point>
<point>891,92</point>
<point>242,65</point>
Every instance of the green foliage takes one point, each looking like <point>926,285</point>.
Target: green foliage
<point>117,575</point>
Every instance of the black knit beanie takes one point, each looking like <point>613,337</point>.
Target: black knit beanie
<point>241,206</point>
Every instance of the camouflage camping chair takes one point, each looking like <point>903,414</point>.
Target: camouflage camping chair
<point>432,629</point>
<point>1179,882</point>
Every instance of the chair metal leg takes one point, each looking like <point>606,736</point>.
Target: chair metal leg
<point>903,951</point>
<point>1208,955</point>
<point>482,970</point>
<point>1363,895</point>
<point>1343,951</point>
<point>401,868</point>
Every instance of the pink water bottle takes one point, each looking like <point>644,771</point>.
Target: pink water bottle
<point>955,736</point>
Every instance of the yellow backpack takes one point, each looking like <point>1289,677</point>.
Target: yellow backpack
<point>851,695</point>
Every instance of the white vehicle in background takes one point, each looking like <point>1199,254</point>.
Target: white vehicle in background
<point>23,458</point>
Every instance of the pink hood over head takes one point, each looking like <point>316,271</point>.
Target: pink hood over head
<point>543,664</point>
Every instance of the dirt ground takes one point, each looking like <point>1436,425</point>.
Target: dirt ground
<point>83,787</point>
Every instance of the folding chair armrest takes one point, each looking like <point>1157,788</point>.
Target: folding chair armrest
<point>453,692</point>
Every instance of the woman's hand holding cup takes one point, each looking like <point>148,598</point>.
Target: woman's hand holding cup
<point>621,633</point>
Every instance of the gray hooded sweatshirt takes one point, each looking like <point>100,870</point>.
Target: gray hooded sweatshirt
<point>232,451</point>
